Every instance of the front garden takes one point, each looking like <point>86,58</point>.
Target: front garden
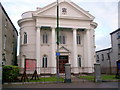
<point>11,74</point>
<point>47,79</point>
<point>103,77</point>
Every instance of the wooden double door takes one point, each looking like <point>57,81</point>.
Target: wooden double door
<point>62,61</point>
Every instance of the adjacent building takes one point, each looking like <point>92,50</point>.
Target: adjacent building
<point>108,57</point>
<point>115,41</point>
<point>38,39</point>
<point>8,39</point>
<point>104,58</point>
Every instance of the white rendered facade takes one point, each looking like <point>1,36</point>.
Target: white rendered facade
<point>73,21</point>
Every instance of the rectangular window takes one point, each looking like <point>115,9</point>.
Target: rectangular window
<point>5,38</point>
<point>78,39</point>
<point>62,39</point>
<point>119,46</point>
<point>25,38</point>
<point>102,57</point>
<point>97,58</point>
<point>108,54</point>
<point>118,35</point>
<point>45,38</point>
<point>6,23</point>
<point>118,49</point>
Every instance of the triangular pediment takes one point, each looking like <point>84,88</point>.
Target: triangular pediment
<point>72,11</point>
<point>64,50</point>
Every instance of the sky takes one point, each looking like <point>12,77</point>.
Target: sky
<point>104,11</point>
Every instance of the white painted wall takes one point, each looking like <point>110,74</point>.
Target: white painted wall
<point>75,18</point>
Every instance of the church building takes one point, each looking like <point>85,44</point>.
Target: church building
<point>38,39</point>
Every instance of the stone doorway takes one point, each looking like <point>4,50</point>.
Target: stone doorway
<point>62,61</point>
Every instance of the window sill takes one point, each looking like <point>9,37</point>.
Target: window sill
<point>44,67</point>
<point>45,45</point>
<point>63,44</point>
<point>79,45</point>
<point>118,38</point>
<point>4,49</point>
<point>24,44</point>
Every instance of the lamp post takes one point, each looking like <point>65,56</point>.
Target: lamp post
<point>57,57</point>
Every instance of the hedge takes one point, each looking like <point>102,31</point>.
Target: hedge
<point>10,73</point>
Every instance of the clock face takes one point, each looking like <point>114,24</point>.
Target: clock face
<point>64,11</point>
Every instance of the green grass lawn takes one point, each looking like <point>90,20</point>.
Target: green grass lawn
<point>90,78</point>
<point>47,79</point>
<point>109,77</point>
<point>103,77</point>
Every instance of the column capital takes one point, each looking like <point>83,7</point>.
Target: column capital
<point>87,30</point>
<point>74,28</point>
<point>38,26</point>
<point>53,27</point>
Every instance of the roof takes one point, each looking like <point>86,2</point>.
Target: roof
<point>103,50</point>
<point>115,31</point>
<point>8,17</point>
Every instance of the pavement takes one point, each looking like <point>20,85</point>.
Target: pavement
<point>76,83</point>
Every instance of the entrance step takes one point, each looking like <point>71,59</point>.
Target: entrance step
<point>62,74</point>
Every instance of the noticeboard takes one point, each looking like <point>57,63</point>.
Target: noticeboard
<point>30,64</point>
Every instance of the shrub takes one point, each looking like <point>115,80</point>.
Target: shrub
<point>10,73</point>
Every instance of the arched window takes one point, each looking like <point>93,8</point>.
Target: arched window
<point>44,61</point>
<point>62,39</point>
<point>25,38</point>
<point>78,39</point>
<point>45,38</point>
<point>79,60</point>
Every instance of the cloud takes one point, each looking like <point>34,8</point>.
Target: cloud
<point>100,47</point>
<point>106,15</point>
<point>95,0</point>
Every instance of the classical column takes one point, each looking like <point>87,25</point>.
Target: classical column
<point>38,49</point>
<point>75,62</point>
<point>53,60</point>
<point>89,51</point>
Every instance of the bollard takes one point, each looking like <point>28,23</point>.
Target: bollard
<point>97,72</point>
<point>67,73</point>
